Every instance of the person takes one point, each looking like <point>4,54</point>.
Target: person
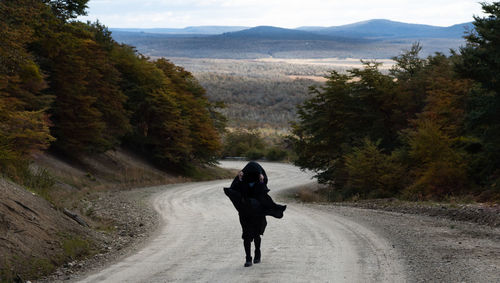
<point>249,194</point>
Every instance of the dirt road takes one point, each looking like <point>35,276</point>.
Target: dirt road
<point>199,241</point>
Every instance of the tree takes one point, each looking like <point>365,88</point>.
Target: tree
<point>78,124</point>
<point>103,84</point>
<point>241,143</point>
<point>438,169</point>
<point>68,9</point>
<point>24,125</point>
<point>371,173</point>
<point>95,90</point>
<point>88,112</point>
<point>408,64</point>
<point>349,108</point>
<point>408,72</point>
<point>480,61</point>
<point>158,129</point>
<point>195,108</point>
<point>445,95</point>
<point>171,115</point>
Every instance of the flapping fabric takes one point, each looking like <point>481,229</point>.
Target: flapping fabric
<point>263,204</point>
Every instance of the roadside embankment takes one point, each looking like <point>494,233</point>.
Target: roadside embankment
<point>85,213</point>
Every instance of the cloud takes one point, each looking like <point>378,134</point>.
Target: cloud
<point>289,13</point>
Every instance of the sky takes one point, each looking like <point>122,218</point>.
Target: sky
<point>281,13</point>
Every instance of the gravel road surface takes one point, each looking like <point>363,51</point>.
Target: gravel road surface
<point>200,241</point>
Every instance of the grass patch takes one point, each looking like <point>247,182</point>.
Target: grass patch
<point>324,193</point>
<point>6,272</point>
<point>207,173</point>
<point>32,268</point>
<point>76,247</point>
<point>318,193</point>
<point>36,180</point>
<point>40,267</point>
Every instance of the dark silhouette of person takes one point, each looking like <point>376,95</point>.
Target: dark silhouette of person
<point>249,195</point>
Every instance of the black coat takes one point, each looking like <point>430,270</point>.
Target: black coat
<point>250,198</point>
<point>254,200</point>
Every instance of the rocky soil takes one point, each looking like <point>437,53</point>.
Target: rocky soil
<point>434,248</point>
<point>480,213</point>
<point>32,233</point>
<point>131,221</point>
<point>439,242</point>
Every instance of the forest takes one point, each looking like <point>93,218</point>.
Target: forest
<point>263,93</point>
<point>428,130</point>
<point>252,102</point>
<point>68,87</point>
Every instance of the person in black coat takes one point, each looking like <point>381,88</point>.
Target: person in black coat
<point>249,195</point>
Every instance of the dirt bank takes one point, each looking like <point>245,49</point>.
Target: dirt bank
<point>36,236</point>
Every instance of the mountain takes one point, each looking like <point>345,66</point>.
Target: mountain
<point>275,33</point>
<point>199,30</point>
<point>459,29</point>
<point>367,39</point>
<point>310,28</point>
<point>386,29</point>
<point>371,29</point>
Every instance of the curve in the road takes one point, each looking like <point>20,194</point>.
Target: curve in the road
<point>200,241</point>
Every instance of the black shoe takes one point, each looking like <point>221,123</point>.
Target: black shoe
<point>257,257</point>
<point>248,262</point>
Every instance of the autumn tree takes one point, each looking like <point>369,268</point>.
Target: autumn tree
<point>171,116</point>
<point>373,173</point>
<point>195,108</point>
<point>24,125</point>
<point>92,91</point>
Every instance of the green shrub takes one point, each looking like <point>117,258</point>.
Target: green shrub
<point>76,247</point>
<point>240,143</point>
<point>40,267</point>
<point>39,181</point>
<point>440,170</point>
<point>372,173</point>
<point>254,154</point>
<point>276,154</point>
<point>6,273</point>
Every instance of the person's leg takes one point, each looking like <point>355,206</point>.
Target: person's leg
<point>257,241</point>
<point>247,244</point>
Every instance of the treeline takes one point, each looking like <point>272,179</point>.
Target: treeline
<point>68,86</point>
<point>251,48</point>
<point>268,102</point>
<point>251,144</point>
<point>262,69</point>
<point>428,130</point>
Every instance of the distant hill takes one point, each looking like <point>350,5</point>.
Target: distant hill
<point>200,30</point>
<point>276,33</point>
<point>386,29</point>
<point>368,39</point>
